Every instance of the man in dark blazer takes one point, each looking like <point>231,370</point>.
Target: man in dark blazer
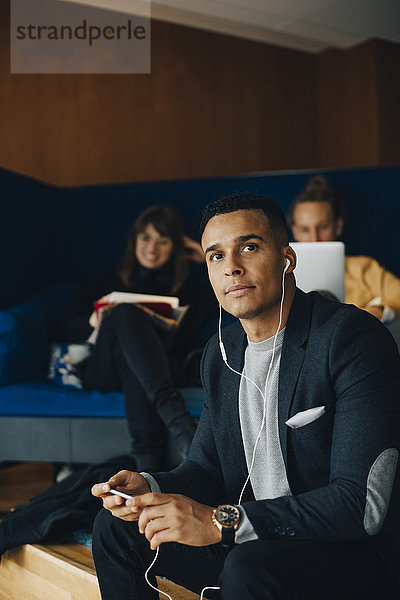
<point>291,488</point>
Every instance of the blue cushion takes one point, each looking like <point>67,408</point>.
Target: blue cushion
<point>24,334</point>
<point>24,356</point>
<point>51,400</point>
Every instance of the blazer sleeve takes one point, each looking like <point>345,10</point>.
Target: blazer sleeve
<point>199,476</point>
<point>361,497</point>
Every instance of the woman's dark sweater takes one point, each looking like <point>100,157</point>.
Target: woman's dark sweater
<point>73,323</point>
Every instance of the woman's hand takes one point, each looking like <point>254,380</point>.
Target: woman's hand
<point>95,319</point>
<point>130,483</point>
<point>97,315</point>
<point>194,250</point>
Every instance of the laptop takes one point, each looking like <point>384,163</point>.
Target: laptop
<point>320,267</point>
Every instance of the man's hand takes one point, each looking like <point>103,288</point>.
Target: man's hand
<point>128,482</point>
<point>174,518</point>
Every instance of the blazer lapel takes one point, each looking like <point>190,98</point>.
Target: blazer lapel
<point>235,348</point>
<point>293,351</point>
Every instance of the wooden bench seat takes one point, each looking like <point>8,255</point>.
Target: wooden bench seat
<point>59,572</point>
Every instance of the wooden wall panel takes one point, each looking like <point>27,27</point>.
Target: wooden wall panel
<point>388,82</point>
<point>348,125</point>
<point>213,105</point>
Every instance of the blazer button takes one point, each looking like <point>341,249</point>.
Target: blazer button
<point>290,531</point>
<point>273,530</point>
<point>281,531</point>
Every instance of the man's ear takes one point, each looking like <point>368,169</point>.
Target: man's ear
<point>339,227</point>
<point>290,255</point>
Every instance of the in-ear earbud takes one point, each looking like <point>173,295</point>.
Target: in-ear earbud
<point>287,265</point>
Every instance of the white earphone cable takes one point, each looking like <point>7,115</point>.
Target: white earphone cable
<point>146,575</point>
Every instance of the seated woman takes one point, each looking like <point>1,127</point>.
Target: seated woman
<point>317,215</point>
<point>135,350</point>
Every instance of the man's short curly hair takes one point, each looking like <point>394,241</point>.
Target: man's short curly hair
<point>250,201</point>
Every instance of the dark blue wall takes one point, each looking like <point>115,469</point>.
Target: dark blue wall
<point>48,234</point>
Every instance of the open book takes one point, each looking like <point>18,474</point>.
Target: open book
<point>166,306</point>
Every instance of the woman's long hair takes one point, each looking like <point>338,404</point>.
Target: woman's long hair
<point>168,224</point>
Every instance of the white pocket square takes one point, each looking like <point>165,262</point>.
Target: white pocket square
<point>305,417</point>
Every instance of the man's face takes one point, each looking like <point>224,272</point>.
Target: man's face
<point>244,265</point>
<point>315,222</point>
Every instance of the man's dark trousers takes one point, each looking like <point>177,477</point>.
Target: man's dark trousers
<point>257,570</point>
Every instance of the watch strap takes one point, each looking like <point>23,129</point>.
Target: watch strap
<point>228,536</point>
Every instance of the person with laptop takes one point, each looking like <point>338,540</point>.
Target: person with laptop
<point>317,215</point>
<point>291,489</point>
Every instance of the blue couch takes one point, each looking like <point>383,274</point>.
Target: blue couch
<point>54,235</point>
<point>41,420</point>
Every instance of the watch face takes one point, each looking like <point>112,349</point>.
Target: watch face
<point>227,515</point>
